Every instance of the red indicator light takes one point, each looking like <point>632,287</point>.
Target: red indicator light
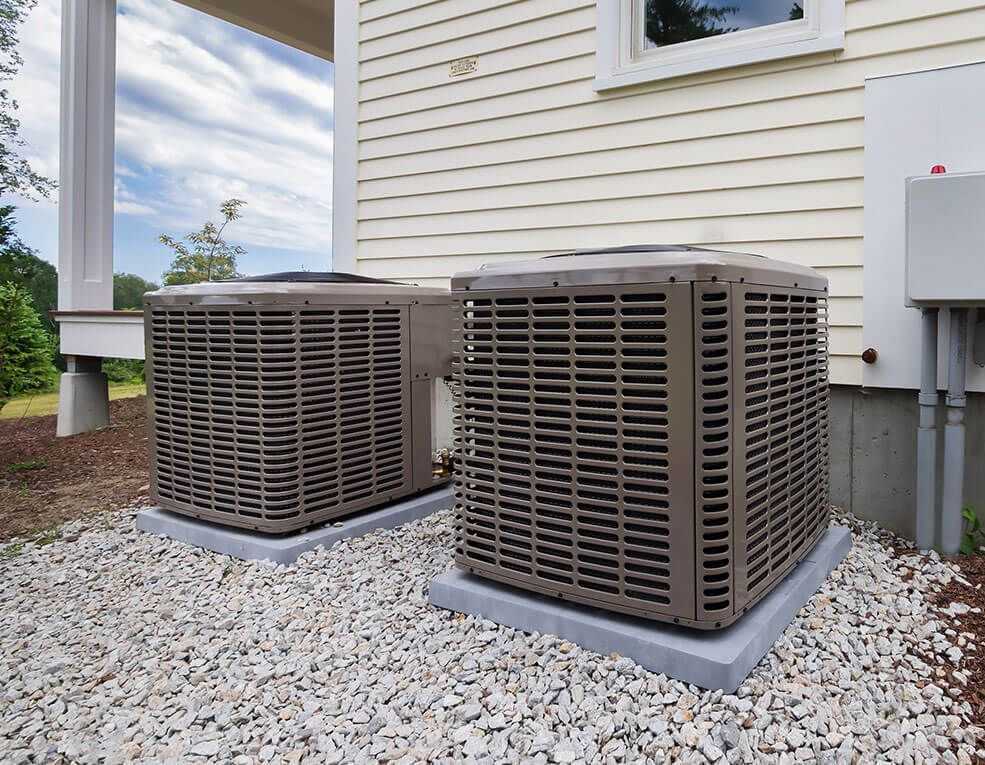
<point>938,170</point>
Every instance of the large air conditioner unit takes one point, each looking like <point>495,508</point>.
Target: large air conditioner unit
<point>642,429</point>
<point>283,401</point>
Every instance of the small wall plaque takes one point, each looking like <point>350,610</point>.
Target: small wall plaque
<point>462,66</point>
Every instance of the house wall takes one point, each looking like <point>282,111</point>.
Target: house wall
<point>523,158</point>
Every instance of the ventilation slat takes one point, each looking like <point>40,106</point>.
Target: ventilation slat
<point>278,418</point>
<point>563,426</point>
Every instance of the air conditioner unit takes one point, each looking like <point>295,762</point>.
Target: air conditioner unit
<point>642,429</point>
<point>283,401</point>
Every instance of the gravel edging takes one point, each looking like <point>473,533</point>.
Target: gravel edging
<point>123,647</point>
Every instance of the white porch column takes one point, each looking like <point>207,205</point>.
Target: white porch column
<point>85,205</point>
<point>85,202</point>
<point>345,161</point>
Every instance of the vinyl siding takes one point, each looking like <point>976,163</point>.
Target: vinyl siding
<point>523,158</point>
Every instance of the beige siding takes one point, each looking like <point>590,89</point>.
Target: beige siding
<point>523,158</point>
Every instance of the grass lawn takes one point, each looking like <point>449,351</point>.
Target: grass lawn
<point>47,403</point>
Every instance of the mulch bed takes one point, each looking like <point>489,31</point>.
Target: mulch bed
<point>971,594</point>
<point>46,481</point>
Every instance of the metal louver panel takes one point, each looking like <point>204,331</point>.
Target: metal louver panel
<point>783,431</point>
<point>714,457</point>
<point>276,418</point>
<point>570,405</point>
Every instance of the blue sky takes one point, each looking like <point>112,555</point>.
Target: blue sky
<point>205,111</point>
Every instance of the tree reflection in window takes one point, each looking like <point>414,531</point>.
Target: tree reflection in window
<point>675,21</point>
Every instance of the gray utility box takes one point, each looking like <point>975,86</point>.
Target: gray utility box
<point>945,240</point>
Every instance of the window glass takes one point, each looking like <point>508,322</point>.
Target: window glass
<point>675,21</point>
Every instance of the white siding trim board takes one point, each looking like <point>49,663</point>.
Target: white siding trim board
<point>370,10</point>
<point>442,30</point>
<point>555,47</point>
<point>517,144</point>
<point>421,16</point>
<point>473,89</point>
<point>635,205</point>
<point>824,254</point>
<point>481,44</point>
<point>770,171</point>
<point>837,142</point>
<point>782,226</point>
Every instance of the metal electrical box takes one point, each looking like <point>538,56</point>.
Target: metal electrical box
<point>945,240</point>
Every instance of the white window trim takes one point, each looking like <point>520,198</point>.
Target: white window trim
<point>621,61</point>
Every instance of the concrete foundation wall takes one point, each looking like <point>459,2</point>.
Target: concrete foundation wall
<point>873,454</point>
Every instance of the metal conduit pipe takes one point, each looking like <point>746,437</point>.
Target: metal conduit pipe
<point>952,498</point>
<point>927,431</point>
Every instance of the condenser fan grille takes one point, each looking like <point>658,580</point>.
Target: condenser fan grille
<point>277,418</point>
<point>568,413</point>
<point>786,429</point>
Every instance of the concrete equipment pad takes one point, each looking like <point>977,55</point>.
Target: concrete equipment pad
<point>251,545</point>
<point>715,660</point>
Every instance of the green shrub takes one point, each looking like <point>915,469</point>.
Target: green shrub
<point>26,348</point>
<point>124,370</point>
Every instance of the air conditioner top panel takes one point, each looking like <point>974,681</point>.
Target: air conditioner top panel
<point>316,277</point>
<point>297,288</point>
<point>639,264</point>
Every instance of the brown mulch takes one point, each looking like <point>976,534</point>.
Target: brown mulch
<point>46,481</point>
<point>973,662</point>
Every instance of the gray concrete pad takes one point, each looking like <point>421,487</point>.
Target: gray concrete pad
<point>713,660</point>
<point>251,545</point>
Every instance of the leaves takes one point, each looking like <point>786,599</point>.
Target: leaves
<point>972,530</point>
<point>20,265</point>
<point>207,256</point>
<point>26,349</point>
<point>16,174</point>
<point>128,291</point>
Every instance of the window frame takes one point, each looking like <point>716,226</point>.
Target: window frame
<point>621,60</point>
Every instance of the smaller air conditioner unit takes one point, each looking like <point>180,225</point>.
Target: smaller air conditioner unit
<point>642,429</point>
<point>283,401</point>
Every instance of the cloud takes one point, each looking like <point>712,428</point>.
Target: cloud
<point>205,111</point>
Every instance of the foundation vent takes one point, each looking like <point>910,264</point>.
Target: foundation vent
<point>642,429</point>
<point>281,402</point>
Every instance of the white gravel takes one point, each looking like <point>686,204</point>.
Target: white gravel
<point>118,646</point>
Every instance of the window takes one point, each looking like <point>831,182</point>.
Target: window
<point>643,40</point>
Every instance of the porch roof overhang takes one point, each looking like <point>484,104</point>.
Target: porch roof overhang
<point>304,24</point>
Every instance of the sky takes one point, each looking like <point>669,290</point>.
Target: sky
<point>205,111</point>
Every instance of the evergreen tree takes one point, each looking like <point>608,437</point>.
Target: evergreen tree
<point>20,265</point>
<point>26,349</point>
<point>128,291</point>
